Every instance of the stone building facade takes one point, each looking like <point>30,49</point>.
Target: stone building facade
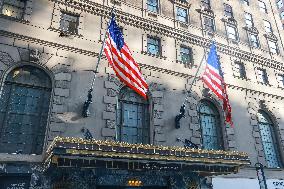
<point>52,47</point>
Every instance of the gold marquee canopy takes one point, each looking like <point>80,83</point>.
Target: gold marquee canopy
<point>82,153</point>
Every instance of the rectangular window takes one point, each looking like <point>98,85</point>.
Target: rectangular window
<point>209,24</point>
<point>281,79</point>
<point>206,4</point>
<point>228,10</point>
<point>232,32</point>
<point>152,5</point>
<point>186,54</point>
<point>280,4</point>
<point>182,15</point>
<point>69,23</point>
<point>267,26</point>
<point>273,48</point>
<point>246,2</point>
<point>248,20</point>
<point>262,76</point>
<point>254,42</point>
<point>154,45</point>
<point>282,15</point>
<point>262,6</point>
<point>14,8</point>
<point>240,70</point>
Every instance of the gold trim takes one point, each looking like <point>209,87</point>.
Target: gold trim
<point>152,157</point>
<point>147,146</point>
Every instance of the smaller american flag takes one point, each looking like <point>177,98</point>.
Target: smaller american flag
<point>121,60</point>
<point>213,78</point>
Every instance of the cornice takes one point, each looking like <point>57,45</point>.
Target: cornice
<point>153,26</point>
<point>47,43</point>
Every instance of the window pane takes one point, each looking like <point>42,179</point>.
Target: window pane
<point>228,10</point>
<point>273,47</point>
<point>209,24</point>
<point>231,31</point>
<point>267,26</point>
<point>268,140</point>
<point>182,14</point>
<point>280,79</point>
<point>186,54</point>
<point>211,132</point>
<point>69,23</point>
<point>248,19</point>
<point>132,118</point>
<point>262,76</point>
<point>280,4</point>
<point>153,45</point>
<point>254,40</point>
<point>240,70</point>
<point>24,116</point>
<point>152,5</point>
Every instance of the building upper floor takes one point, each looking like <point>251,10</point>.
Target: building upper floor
<point>251,26</point>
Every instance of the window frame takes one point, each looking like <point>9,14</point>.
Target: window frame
<point>274,140</point>
<point>186,17</point>
<point>158,45</point>
<point>43,88</point>
<point>69,14</point>
<point>145,120</point>
<point>155,9</point>
<point>272,50</point>
<point>240,70</point>
<point>267,26</point>
<point>190,55</point>
<point>246,2</point>
<point>280,78</point>
<point>249,19</point>
<point>262,76</point>
<point>206,4</point>
<point>279,5</point>
<point>210,28</point>
<point>219,130</point>
<point>228,10</point>
<point>230,34</point>
<point>254,44</point>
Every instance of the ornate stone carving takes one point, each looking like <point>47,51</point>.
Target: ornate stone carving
<point>5,58</point>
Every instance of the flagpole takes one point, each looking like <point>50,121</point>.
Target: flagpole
<point>86,111</point>
<point>182,108</point>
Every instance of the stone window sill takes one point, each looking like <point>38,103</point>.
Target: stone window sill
<point>152,14</point>
<point>153,55</point>
<point>66,34</point>
<point>183,25</point>
<point>186,64</point>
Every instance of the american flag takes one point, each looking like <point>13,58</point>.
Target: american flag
<point>213,78</point>
<point>121,60</point>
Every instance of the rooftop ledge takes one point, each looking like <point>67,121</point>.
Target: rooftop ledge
<point>80,153</point>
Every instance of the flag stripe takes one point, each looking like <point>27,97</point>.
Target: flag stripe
<point>124,70</point>
<point>126,80</point>
<point>122,62</point>
<point>214,80</point>
<point>127,64</point>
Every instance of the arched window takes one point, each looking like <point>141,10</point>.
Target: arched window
<point>210,126</point>
<point>269,141</point>
<point>24,105</point>
<point>132,118</point>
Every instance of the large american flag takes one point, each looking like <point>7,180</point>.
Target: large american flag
<point>121,60</point>
<point>213,78</point>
